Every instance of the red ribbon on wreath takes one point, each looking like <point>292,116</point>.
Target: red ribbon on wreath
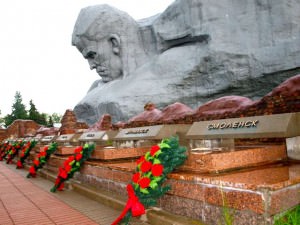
<point>133,204</point>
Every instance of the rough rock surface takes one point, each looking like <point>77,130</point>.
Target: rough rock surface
<point>174,111</point>
<point>227,104</point>
<point>151,114</point>
<point>69,123</point>
<point>103,124</point>
<point>285,98</point>
<point>47,131</point>
<point>197,50</point>
<point>22,128</point>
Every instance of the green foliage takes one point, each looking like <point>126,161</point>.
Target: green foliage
<point>18,108</point>
<point>56,117</point>
<point>291,217</point>
<point>35,115</point>
<point>50,122</point>
<point>228,215</point>
<point>19,112</point>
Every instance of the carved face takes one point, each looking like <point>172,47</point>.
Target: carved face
<point>104,56</point>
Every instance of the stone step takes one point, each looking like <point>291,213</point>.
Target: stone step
<point>154,215</point>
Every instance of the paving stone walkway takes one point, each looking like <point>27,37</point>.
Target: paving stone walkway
<point>28,201</point>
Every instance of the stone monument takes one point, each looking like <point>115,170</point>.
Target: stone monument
<point>191,53</point>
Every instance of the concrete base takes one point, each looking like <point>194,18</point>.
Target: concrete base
<point>254,195</point>
<point>65,150</point>
<point>218,161</point>
<point>105,153</point>
<point>108,153</point>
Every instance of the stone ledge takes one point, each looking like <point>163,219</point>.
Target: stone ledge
<point>155,216</point>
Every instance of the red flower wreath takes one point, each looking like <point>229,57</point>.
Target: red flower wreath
<point>152,170</point>
<point>41,159</point>
<point>71,165</point>
<point>25,152</point>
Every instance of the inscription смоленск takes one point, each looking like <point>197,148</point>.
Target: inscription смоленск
<point>236,124</point>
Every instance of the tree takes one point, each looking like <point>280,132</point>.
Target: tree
<point>33,113</point>
<point>50,122</point>
<point>56,117</point>
<point>18,110</point>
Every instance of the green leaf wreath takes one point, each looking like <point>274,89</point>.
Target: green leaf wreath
<point>4,149</point>
<point>41,159</point>
<point>71,165</point>
<point>14,150</point>
<point>151,172</point>
<point>25,152</point>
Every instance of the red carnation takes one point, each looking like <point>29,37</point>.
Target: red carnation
<point>61,187</point>
<point>71,158</point>
<point>57,180</point>
<point>146,166</point>
<point>154,149</point>
<point>136,177</point>
<point>32,171</point>
<point>68,168</point>
<point>19,164</point>
<point>140,160</point>
<point>78,157</point>
<point>42,153</point>
<point>63,173</point>
<point>144,182</point>
<point>68,160</point>
<point>157,170</point>
<point>46,148</point>
<point>36,162</point>
<point>78,149</point>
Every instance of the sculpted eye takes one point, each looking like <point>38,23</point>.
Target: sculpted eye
<point>90,55</point>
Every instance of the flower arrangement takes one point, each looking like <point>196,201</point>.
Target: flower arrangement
<point>5,147</point>
<point>151,172</point>
<point>71,165</point>
<point>16,146</point>
<point>25,151</point>
<point>41,159</point>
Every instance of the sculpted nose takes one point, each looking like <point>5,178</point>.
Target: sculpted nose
<point>92,64</point>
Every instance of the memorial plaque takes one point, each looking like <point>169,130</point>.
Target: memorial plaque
<point>157,132</point>
<point>92,136</point>
<point>100,138</point>
<point>48,139</point>
<point>149,135</point>
<point>37,138</point>
<point>293,147</point>
<point>268,126</point>
<point>65,139</point>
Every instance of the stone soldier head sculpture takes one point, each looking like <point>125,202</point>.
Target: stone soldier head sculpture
<point>104,36</point>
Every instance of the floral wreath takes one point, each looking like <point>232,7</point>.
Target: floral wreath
<point>41,159</point>
<point>151,172</point>
<point>71,165</point>
<point>5,147</point>
<point>13,151</point>
<point>25,151</point>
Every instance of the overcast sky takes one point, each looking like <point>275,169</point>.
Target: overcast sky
<point>37,58</point>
